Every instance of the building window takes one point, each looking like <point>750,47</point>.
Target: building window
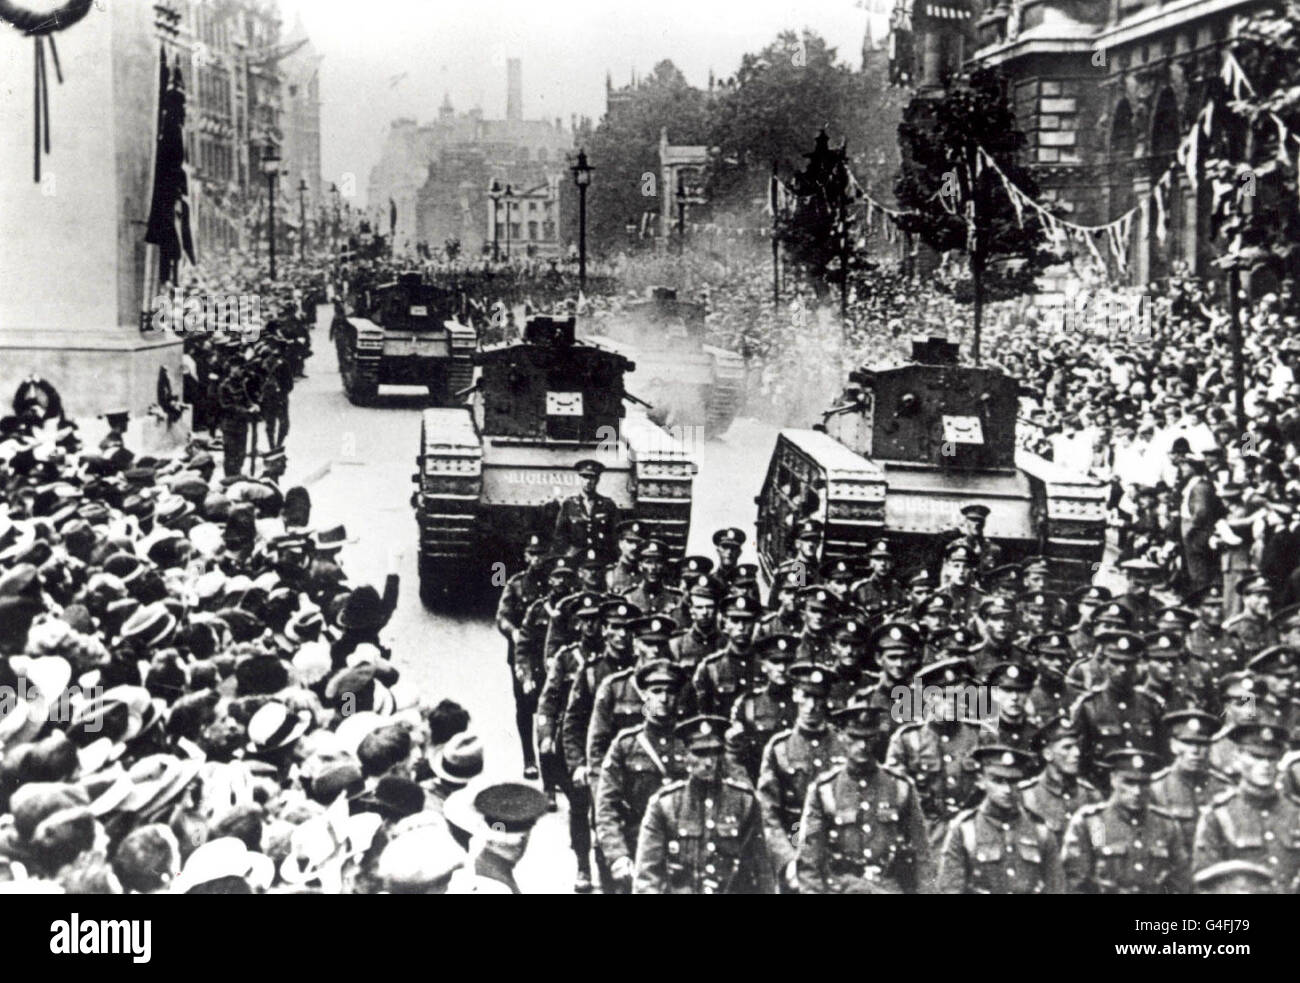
<point>532,230</point>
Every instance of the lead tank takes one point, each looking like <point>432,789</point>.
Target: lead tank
<point>492,472</point>
<point>689,382</point>
<point>405,333</point>
<point>904,449</point>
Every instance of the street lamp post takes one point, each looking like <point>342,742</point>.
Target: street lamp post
<point>494,192</point>
<point>334,237</point>
<point>302,218</point>
<point>271,168</point>
<point>582,178</point>
<point>681,215</point>
<point>509,196</point>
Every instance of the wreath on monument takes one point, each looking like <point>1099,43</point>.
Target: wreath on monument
<point>40,25</point>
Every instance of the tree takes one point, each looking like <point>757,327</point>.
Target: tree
<point>952,201</point>
<point>624,150</point>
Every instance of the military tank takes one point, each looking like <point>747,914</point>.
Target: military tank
<point>904,449</point>
<point>404,333</point>
<point>493,472</point>
<point>690,383</point>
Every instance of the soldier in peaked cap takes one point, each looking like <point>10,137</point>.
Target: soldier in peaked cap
<point>804,564</point>
<point>689,569</point>
<point>985,555</point>
<point>958,580</point>
<point>701,637</point>
<point>1125,845</point>
<point>896,648</point>
<point>1190,783</point>
<point>1117,714</point>
<point>1171,677</point>
<point>1254,821</point>
<point>920,588</point>
<point>703,834</point>
<point>819,606</point>
<point>783,618</point>
<point>586,520</point>
<point>1003,581</point>
<point>1012,725</point>
<point>1142,575</point>
<point>838,575</point>
<point>1050,653</point>
<point>1039,612</point>
<point>1087,600</point>
<point>1087,673</point>
<point>722,677</point>
<point>998,847</point>
<point>1276,666</point>
<point>766,709</point>
<point>849,648</point>
<point>997,625</point>
<point>1244,697</point>
<point>654,595</point>
<point>1287,623</point>
<point>1058,791</point>
<point>950,643</point>
<point>935,619</point>
<point>791,760</point>
<point>728,543</point>
<point>862,830</point>
<point>640,760</point>
<point>529,665</point>
<point>624,574</point>
<point>507,812</point>
<point>1253,628</point>
<point>878,591</point>
<point>1035,573</point>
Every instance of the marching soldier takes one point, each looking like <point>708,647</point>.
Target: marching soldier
<point>702,835</point>
<point>722,677</point>
<point>957,577</point>
<point>935,621</point>
<point>819,607</point>
<point>765,710</point>
<point>800,570</point>
<point>1125,845</point>
<point>1117,714</point>
<point>1254,821</point>
<point>997,625</point>
<point>1142,575</point>
<point>701,638</point>
<point>984,554</point>
<point>897,646</point>
<point>878,591</point>
<point>784,619</point>
<point>1089,671</point>
<point>1087,602</point>
<point>586,520</point>
<point>838,575</point>
<point>1057,792</point>
<point>519,594</point>
<point>624,574</point>
<point>728,543</point>
<point>862,830</point>
<point>849,650</point>
<point>1189,784</point>
<point>998,847</point>
<point>1051,697</point>
<point>617,704</point>
<point>1012,724</point>
<point>1208,643</point>
<point>561,630</point>
<point>1276,667</point>
<point>791,760</point>
<point>1170,678</point>
<point>1253,628</point>
<point>653,595</point>
<point>640,761</point>
<point>529,665</point>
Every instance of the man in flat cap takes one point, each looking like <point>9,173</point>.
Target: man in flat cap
<point>1190,783</point>
<point>766,709</point>
<point>998,847</point>
<point>587,520</point>
<point>640,760</point>
<point>1057,792</point>
<point>791,760</point>
<point>1254,821</point>
<point>703,834</point>
<point>1117,714</point>
<point>862,830</point>
<point>1126,845</point>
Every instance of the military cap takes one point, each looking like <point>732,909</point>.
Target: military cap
<point>945,672</point>
<point>959,552</point>
<point>879,550</point>
<point>1132,762</point>
<point>1191,726</point>
<point>704,586</point>
<point>695,565</point>
<point>619,612</point>
<point>793,578</point>
<point>591,560</point>
<point>1040,600</point>
<point>563,566</point>
<point>703,734</point>
<point>995,607</point>
<point>654,549</point>
<point>587,605</point>
<point>895,635</point>
<point>1164,644</point>
<point>1037,564</point>
<point>1264,738</point>
<point>921,578</point>
<point>1091,594</point>
<point>937,604</point>
<point>1288,619</point>
<point>956,639</point>
<point>535,544</point>
<point>818,598</point>
<point>1233,877</point>
<point>810,529</point>
<point>661,672</point>
<point>777,648</point>
<point>1004,762</point>
<point>861,719</point>
<point>1050,643</point>
<point>741,605</point>
<point>1276,660</point>
<point>1057,729</point>
<point>1008,574</point>
<point>1140,566</point>
<point>838,569</point>
<point>1241,686</point>
<point>849,629</point>
<point>630,529</point>
<point>1113,614</point>
<point>1254,585</point>
<point>588,467</point>
<point>653,628</point>
<point>1012,676</point>
<point>746,573</point>
<point>1123,645</point>
<point>729,537</point>
<point>975,511</point>
<point>811,676</point>
<point>511,807</point>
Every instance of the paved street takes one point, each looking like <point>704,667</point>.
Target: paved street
<point>370,455</point>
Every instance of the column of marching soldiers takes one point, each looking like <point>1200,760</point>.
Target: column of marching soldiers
<point>858,732</point>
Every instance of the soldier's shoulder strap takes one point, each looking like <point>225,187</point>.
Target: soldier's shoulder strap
<point>1087,786</point>
<point>1220,776</point>
<point>1092,808</point>
<point>1035,817</point>
<point>668,788</point>
<point>1162,773</point>
<point>1224,797</point>
<point>1236,619</point>
<point>1163,813</point>
<point>779,737</point>
<point>965,822</point>
<point>1029,783</point>
<point>628,734</point>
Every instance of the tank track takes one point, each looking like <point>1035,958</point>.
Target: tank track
<point>450,486</point>
<point>463,341</point>
<point>664,477</point>
<point>728,390</point>
<point>365,356</point>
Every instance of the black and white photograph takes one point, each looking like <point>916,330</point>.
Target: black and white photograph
<point>550,448</point>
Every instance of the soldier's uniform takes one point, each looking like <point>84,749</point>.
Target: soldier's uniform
<point>1218,650</point>
<point>720,679</point>
<point>1251,632</point>
<point>878,594</point>
<point>989,850</point>
<point>1112,850</point>
<point>815,647</point>
<point>1019,731</point>
<point>586,523</point>
<point>763,711</point>
<point>660,600</point>
<point>1054,801</point>
<point>236,393</point>
<point>616,707</point>
<point>622,577</point>
<point>1106,719</point>
<point>1183,794</point>
<point>701,837</point>
<point>862,830</point>
<point>692,646</point>
<point>779,623</point>
<point>577,713</point>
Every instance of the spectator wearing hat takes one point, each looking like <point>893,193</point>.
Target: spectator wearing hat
<point>1200,510</point>
<point>862,830</point>
<point>653,594</point>
<point>1190,782</point>
<point>639,761</point>
<point>703,834</point>
<point>701,636</point>
<point>624,574</point>
<point>1123,845</point>
<point>791,760</point>
<point>1117,714</point>
<point>587,520</point>
<point>721,678</point>
<point>1058,791</point>
<point>501,821</point>
<point>528,663</point>
<point>1253,821</point>
<point>1252,627</point>
<point>975,858</point>
<point>765,709</point>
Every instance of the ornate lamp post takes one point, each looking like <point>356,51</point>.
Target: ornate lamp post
<point>302,218</point>
<point>495,192</point>
<point>582,178</point>
<point>271,168</point>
